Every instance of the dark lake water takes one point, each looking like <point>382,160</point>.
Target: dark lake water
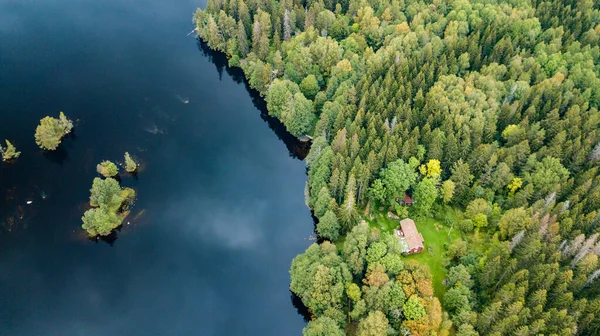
<point>220,211</point>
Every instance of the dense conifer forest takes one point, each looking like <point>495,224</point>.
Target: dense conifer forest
<point>485,111</point>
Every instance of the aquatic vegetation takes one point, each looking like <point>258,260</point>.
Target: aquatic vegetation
<point>9,152</point>
<point>50,131</point>
<point>107,169</point>
<point>130,165</point>
<point>110,205</point>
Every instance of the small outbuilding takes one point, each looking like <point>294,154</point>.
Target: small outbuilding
<point>411,236</point>
<point>407,200</point>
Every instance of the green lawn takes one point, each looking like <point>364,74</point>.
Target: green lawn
<point>433,254</point>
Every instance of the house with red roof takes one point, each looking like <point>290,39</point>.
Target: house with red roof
<point>410,237</point>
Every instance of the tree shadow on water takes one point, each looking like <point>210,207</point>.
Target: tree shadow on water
<point>59,155</point>
<point>297,149</point>
<point>110,239</point>
<point>300,307</point>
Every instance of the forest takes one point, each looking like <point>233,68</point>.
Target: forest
<point>485,111</point>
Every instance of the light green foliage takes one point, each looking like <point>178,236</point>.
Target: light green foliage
<point>359,310</point>
<point>105,192</point>
<point>298,115</point>
<point>396,297</point>
<point>50,131</point>
<point>353,292</point>
<point>319,278</point>
<point>378,192</point>
<point>513,221</point>
<point>375,324</point>
<point>477,206</point>
<point>376,251</point>
<point>547,176</point>
<point>480,220</point>
<point>348,212</point>
<point>447,191</point>
<point>309,86</point>
<point>323,326</point>
<point>466,329</point>
<point>329,226</point>
<point>355,248</point>
<point>397,178</point>
<point>424,196</point>
<point>280,93</point>
<point>9,152</point>
<point>100,221</point>
<point>320,172</point>
<point>431,169</point>
<point>392,262</point>
<point>130,165</point>
<point>108,200</point>
<point>459,274</point>
<point>107,169</point>
<point>413,308</point>
<point>513,134</point>
<point>65,123</point>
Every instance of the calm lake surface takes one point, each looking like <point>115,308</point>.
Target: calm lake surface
<point>220,211</point>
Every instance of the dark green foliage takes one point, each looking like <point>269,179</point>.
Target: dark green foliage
<point>504,94</point>
<point>329,226</point>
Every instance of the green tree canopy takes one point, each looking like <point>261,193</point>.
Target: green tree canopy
<point>309,86</point>
<point>375,324</point>
<point>100,221</point>
<point>323,326</point>
<point>107,169</point>
<point>397,178</point>
<point>130,164</point>
<point>105,192</point>
<point>413,308</point>
<point>329,226</point>
<point>425,195</point>
<point>50,131</point>
<point>9,152</point>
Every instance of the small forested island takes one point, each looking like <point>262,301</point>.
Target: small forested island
<point>130,165</point>
<point>110,205</point>
<point>477,119</point>
<point>9,152</point>
<point>50,131</point>
<point>107,169</point>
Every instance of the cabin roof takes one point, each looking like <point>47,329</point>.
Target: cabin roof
<point>414,239</point>
<point>407,198</point>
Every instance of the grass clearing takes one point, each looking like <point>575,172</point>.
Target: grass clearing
<point>435,234</point>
